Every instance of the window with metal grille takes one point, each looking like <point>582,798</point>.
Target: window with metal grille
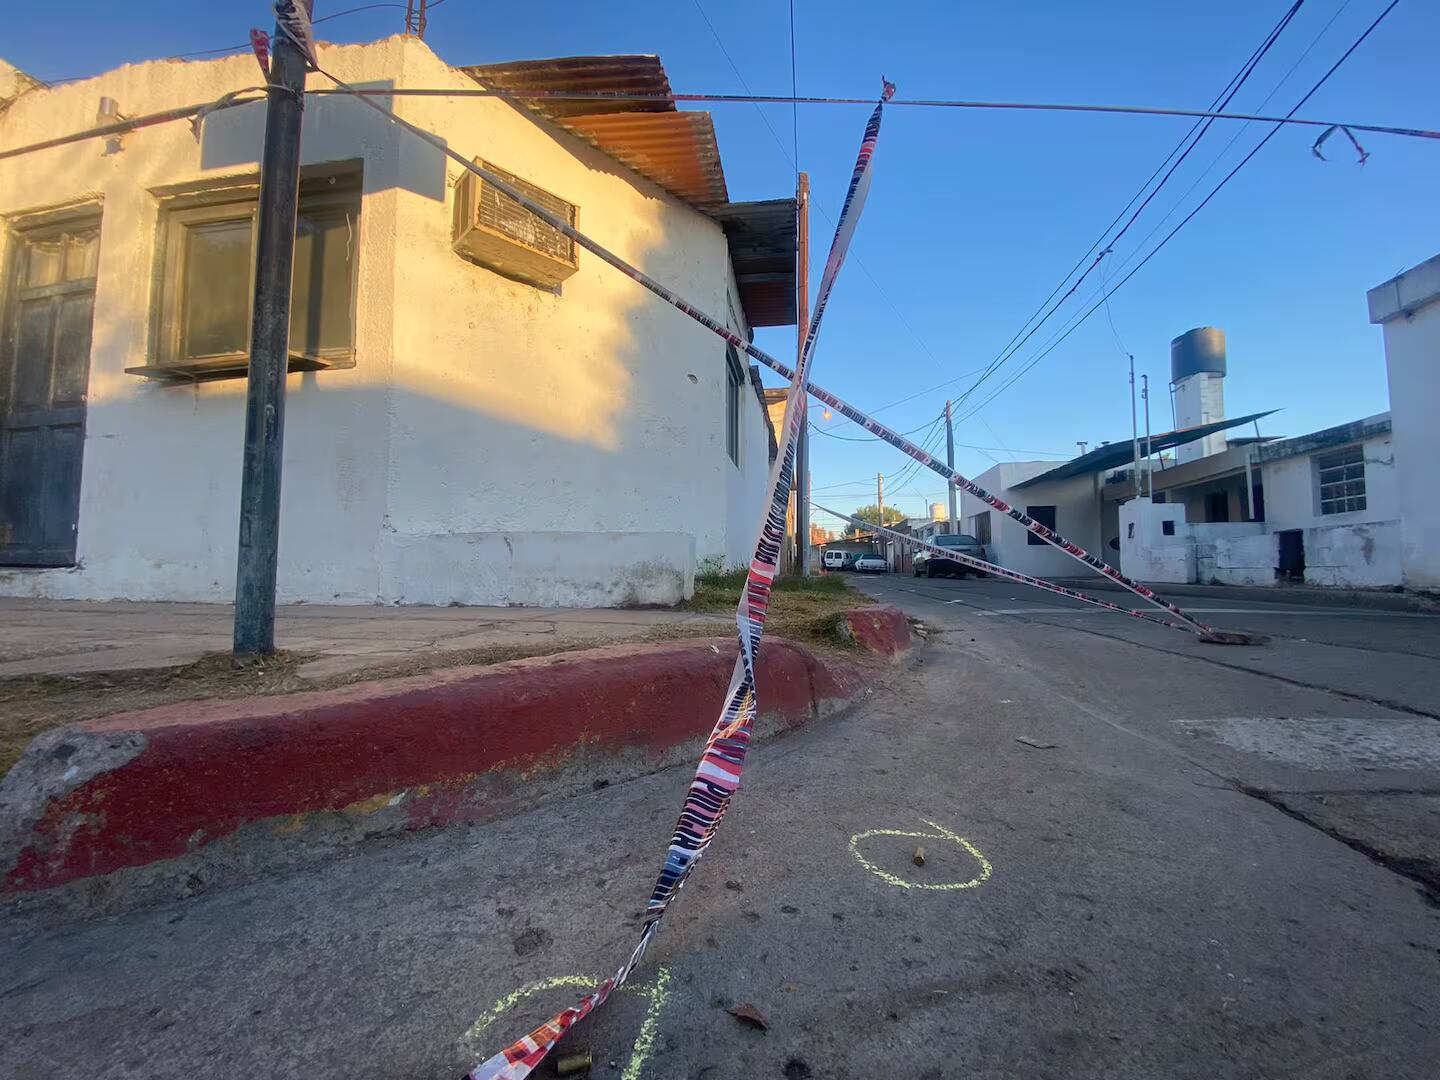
<point>504,215</point>
<point>734,380</point>
<point>1341,477</point>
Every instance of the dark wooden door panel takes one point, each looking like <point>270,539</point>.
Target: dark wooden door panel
<point>44,375</point>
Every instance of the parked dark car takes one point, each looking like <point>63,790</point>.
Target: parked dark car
<point>932,565</point>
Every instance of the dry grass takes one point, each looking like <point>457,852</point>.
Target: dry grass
<point>803,610</point>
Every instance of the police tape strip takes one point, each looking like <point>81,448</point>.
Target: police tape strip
<point>718,775</point>
<point>896,440</point>
<point>1000,571</point>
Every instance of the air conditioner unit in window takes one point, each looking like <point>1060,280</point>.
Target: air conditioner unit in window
<point>494,230</point>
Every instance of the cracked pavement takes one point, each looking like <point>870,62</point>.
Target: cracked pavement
<point>1122,904</point>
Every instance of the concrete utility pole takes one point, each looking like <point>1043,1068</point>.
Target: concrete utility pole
<point>1145,397</point>
<point>950,460</point>
<point>1134,431</point>
<point>269,353</point>
<point>879,500</point>
<point>800,483</point>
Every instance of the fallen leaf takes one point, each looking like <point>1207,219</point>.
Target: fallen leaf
<point>749,1015</point>
<point>1036,743</point>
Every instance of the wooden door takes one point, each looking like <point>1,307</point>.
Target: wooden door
<point>44,377</point>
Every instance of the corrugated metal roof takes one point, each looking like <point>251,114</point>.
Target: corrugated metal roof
<point>676,150</point>
<point>1115,454</point>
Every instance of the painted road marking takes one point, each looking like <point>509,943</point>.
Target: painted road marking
<point>940,833</point>
<point>657,992</point>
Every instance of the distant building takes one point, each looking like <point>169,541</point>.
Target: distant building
<point>479,411</point>
<point>1327,508</point>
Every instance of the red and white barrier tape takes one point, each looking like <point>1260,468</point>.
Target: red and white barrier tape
<point>1000,571</point>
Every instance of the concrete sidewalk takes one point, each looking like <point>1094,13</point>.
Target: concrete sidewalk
<point>67,637</point>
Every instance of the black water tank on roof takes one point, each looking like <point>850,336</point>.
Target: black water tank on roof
<point>1201,349</point>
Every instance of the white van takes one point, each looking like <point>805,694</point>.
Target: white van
<point>834,559</point>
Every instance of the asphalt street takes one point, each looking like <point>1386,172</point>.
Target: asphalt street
<point>1127,873</point>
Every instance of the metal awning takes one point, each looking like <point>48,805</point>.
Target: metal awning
<point>677,150</point>
<point>1112,456</point>
<point>763,239</point>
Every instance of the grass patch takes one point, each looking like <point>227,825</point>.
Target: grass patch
<point>803,609</point>
<point>720,592</point>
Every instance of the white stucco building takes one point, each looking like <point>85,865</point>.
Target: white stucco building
<point>1407,307</point>
<point>478,412</point>
<point>1323,509</point>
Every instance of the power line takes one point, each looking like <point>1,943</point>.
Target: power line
<point>1233,140</point>
<point>786,99</point>
<point>1213,192</point>
<point>244,47</point>
<point>393,92</point>
<point>863,438</point>
<point>1197,132</point>
<point>923,393</point>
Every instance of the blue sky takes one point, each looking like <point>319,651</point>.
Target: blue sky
<point>975,216</point>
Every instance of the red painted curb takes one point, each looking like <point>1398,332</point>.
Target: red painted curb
<point>198,771</point>
<point>882,630</point>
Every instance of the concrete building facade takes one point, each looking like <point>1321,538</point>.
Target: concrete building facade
<point>1407,308</point>
<point>1324,511</point>
<point>457,435</point>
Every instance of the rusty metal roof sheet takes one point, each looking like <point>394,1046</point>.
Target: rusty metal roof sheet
<point>676,150</point>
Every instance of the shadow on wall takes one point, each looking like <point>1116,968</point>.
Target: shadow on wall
<point>234,137</point>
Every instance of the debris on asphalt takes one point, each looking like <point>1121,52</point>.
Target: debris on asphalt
<point>530,940</point>
<point>748,1014</point>
<point>1233,637</point>
<point>1036,743</point>
<point>734,886</point>
<point>571,1064</point>
<point>919,856</point>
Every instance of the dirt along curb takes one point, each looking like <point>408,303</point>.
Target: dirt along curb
<point>165,802</point>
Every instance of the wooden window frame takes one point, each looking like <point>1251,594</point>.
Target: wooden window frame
<point>734,395</point>
<point>235,203</point>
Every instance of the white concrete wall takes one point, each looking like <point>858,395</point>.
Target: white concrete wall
<point>480,412</point>
<point>1408,307</point>
<point>1077,518</point>
<point>1200,399</point>
<point>1146,553</point>
<point>160,485</point>
<point>1359,556</point>
<point>1233,553</point>
<point>1292,489</point>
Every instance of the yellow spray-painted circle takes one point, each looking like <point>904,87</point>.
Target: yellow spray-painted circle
<point>940,833</point>
<point>658,993</point>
